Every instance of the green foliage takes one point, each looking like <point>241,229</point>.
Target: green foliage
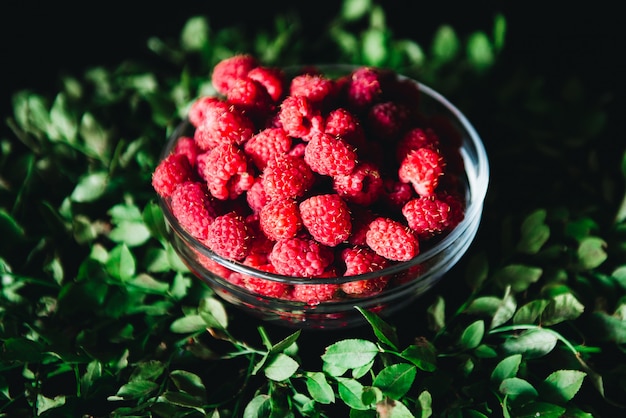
<point>99,317</point>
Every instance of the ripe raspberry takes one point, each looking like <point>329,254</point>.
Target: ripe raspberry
<point>327,218</point>
<point>341,123</point>
<point>300,257</point>
<point>405,91</point>
<point>297,150</point>
<point>251,97</point>
<point>396,193</point>
<point>361,218</point>
<point>416,138</point>
<point>223,123</point>
<point>315,87</point>
<point>187,146</point>
<point>171,171</point>
<point>197,109</point>
<point>329,156</point>
<point>388,120</point>
<point>230,69</point>
<point>265,287</point>
<point>391,239</point>
<point>287,176</point>
<point>273,79</point>
<point>192,208</point>
<point>227,171</point>
<point>360,260</point>
<point>364,88</point>
<point>422,169</point>
<point>228,236</point>
<point>255,196</point>
<point>280,219</point>
<point>267,145</point>
<point>314,294</point>
<point>299,118</point>
<point>363,186</point>
<point>427,216</point>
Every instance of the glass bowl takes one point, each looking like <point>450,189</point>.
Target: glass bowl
<point>405,281</point>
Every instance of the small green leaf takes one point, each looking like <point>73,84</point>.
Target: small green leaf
<point>91,187</point>
<point>95,137</point>
<point>563,307</point>
<point>351,392</point>
<point>499,32</point>
<point>562,385</point>
<point>515,388</point>
<point>259,406</point>
<point>446,44</point>
<point>121,263</point>
<point>319,388</point>
<point>592,252</point>
<point>518,276</point>
<point>374,46</point>
<point>531,343</point>
<point>352,10</point>
<point>540,409</point>
<point>437,314</point>
<point>396,380</point>
<point>472,335</point>
<point>188,324</point>
<point>423,354</point>
<point>534,232</point>
<point>136,389</point>
<point>479,51</point>
<point>45,404</point>
<point>383,331</point>
<point>425,402</point>
<point>506,368</point>
<point>350,353</point>
<point>531,312</point>
<point>189,383</point>
<point>280,367</point>
<point>133,234</point>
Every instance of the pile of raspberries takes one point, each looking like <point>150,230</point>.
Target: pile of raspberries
<point>306,175</point>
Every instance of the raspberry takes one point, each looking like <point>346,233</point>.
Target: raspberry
<point>315,87</point>
<point>230,69</point>
<point>361,218</point>
<point>314,294</point>
<point>228,236</point>
<point>273,79</point>
<point>363,186</point>
<point>227,171</point>
<point>360,260</point>
<point>250,96</point>
<point>396,193</point>
<point>388,120</point>
<point>327,218</point>
<point>427,216</point>
<point>414,139</point>
<point>280,219</point>
<point>345,125</point>
<point>300,257</point>
<point>299,118</point>
<point>223,123</point>
<point>287,176</point>
<point>265,287</point>
<point>192,208</point>
<point>329,156</point>
<point>364,87</point>
<point>197,110</point>
<point>422,168</point>
<point>297,150</point>
<point>255,196</point>
<point>391,239</point>
<point>171,171</point>
<point>188,147</point>
<point>267,145</point>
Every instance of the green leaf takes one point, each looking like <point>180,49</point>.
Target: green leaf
<point>188,324</point>
<point>446,44</point>
<point>479,51</point>
<point>425,402</point>
<point>540,409</point>
<point>562,385</point>
<point>506,368</point>
<point>22,350</point>
<point>95,137</point>
<point>534,232</point>
<point>518,276</point>
<point>374,46</point>
<point>45,404</point>
<point>592,252</point>
<point>437,314</point>
<point>136,389</point>
<point>90,187</point>
<point>352,10</point>
<point>472,335</point>
<point>563,307</point>
<point>319,388</point>
<point>422,354</point>
<point>499,32</point>
<point>132,234</point>
<point>121,263</point>
<point>530,344</point>
<point>350,353</point>
<point>383,331</point>
<point>515,388</point>
<point>351,392</point>
<point>280,367</point>
<point>259,406</point>
<point>64,123</point>
<point>396,380</point>
<point>189,383</point>
<point>530,312</point>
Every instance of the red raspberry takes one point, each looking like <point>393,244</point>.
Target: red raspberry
<point>273,79</point>
<point>265,287</point>
<point>388,120</point>
<point>422,169</point>
<point>230,69</point>
<point>360,260</point>
<point>255,196</point>
<point>363,186</point>
<point>297,150</point>
<point>361,218</point>
<point>223,123</point>
<point>300,257</point>
<point>267,145</point>
<point>403,90</point>
<point>187,146</point>
<point>448,133</point>
<point>192,208</point>
<point>299,118</point>
<point>315,87</point>
<point>280,219</point>
<point>197,110</point>
<point>396,193</point>
<point>171,171</point>
<point>227,171</point>
<point>314,294</point>
<point>329,156</point>
<point>287,176</point>
<point>364,87</point>
<point>228,236</point>
<point>391,239</point>
<point>427,216</point>
<point>250,96</point>
<point>327,218</point>
<point>416,138</point>
<point>343,124</point>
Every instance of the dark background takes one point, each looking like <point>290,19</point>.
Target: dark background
<point>42,39</point>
